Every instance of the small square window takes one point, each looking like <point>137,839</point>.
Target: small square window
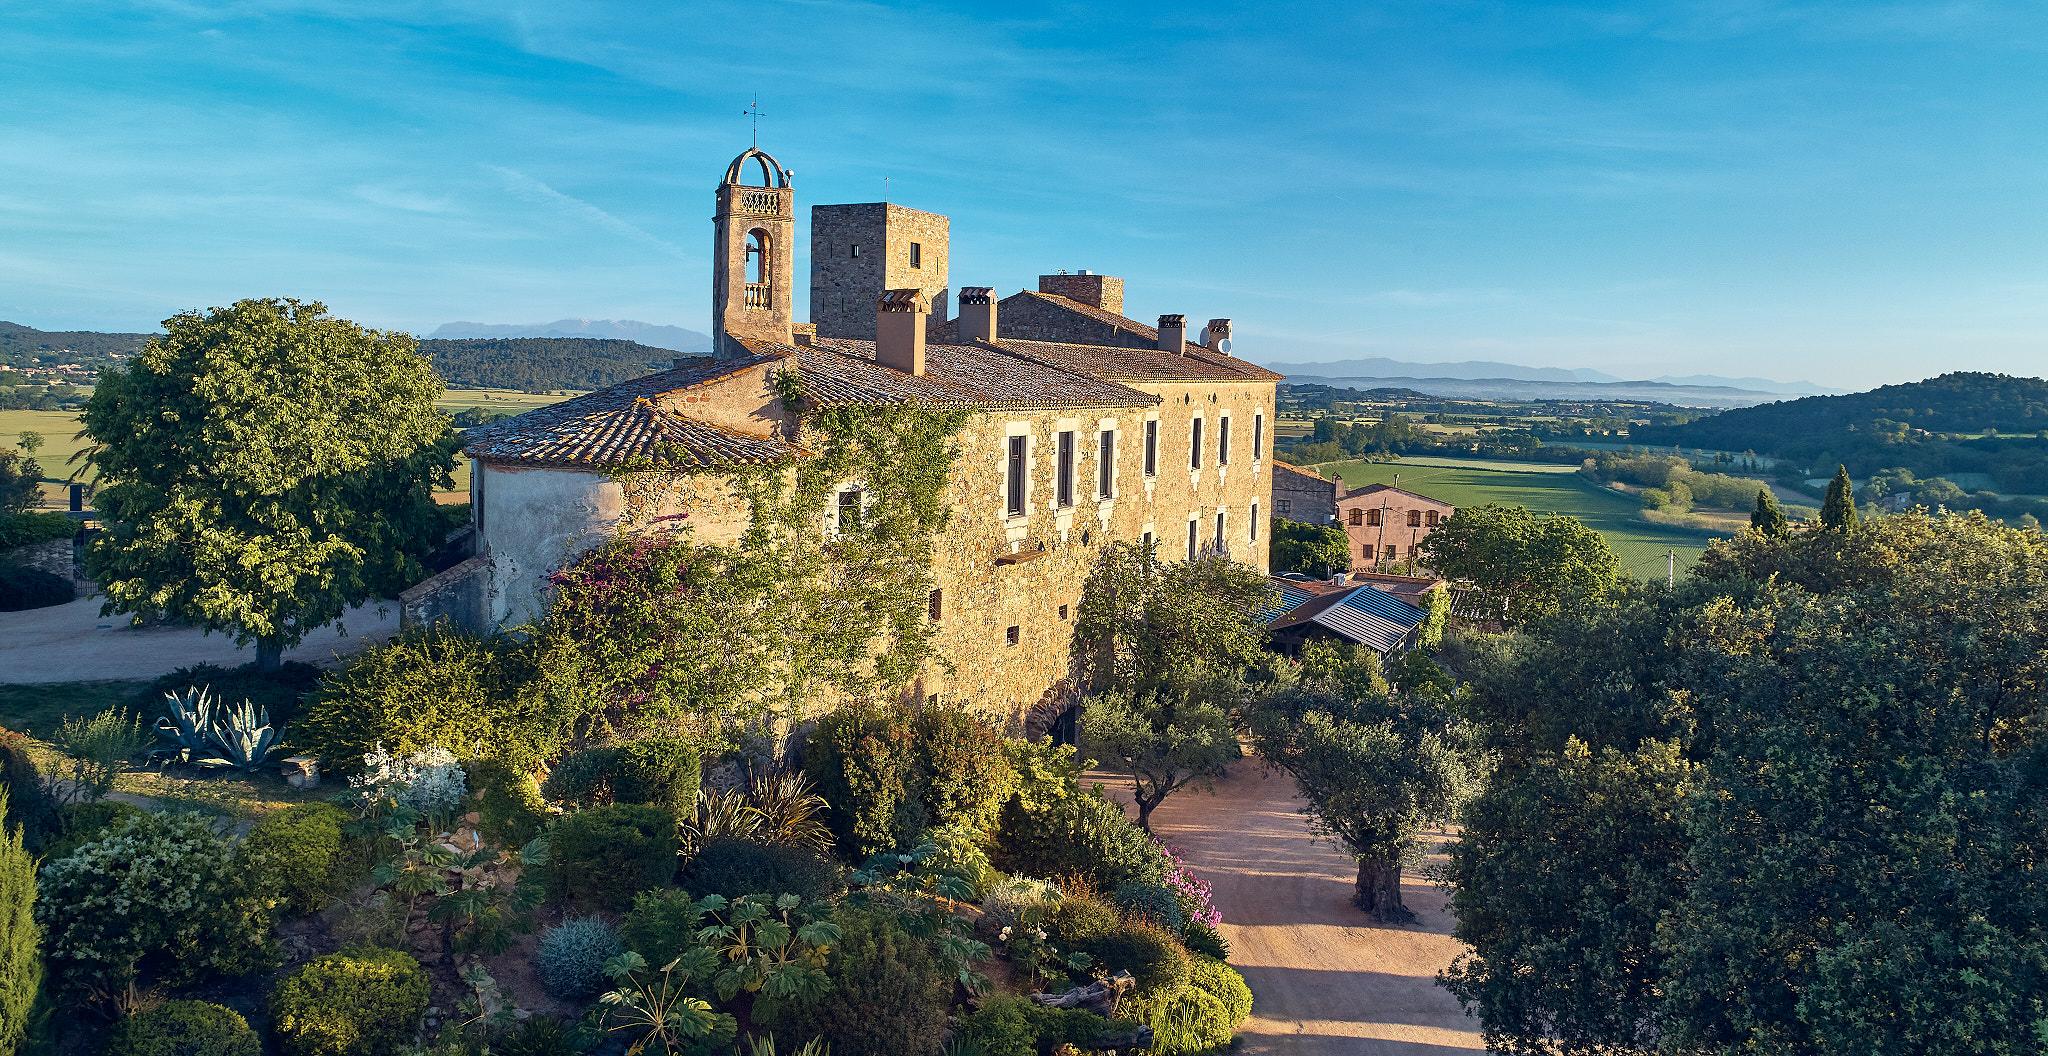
<point>1063,612</point>
<point>932,701</point>
<point>1014,635</point>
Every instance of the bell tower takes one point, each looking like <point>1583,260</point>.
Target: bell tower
<point>751,272</point>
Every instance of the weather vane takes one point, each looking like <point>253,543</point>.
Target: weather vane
<point>754,111</point>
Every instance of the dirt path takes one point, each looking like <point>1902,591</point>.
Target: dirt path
<point>73,642</point>
<point>1325,981</point>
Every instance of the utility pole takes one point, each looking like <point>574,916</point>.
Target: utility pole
<point>1670,568</point>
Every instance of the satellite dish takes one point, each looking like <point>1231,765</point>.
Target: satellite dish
<point>1223,345</point>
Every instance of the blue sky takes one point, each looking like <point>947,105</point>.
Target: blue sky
<point>1847,192</point>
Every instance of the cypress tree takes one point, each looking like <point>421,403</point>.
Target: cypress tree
<point>21,966</point>
<point>1767,517</point>
<point>1839,510</point>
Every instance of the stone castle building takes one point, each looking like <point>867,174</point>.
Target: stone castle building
<point>1085,428</point>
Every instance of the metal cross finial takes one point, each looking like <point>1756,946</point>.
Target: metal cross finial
<point>754,111</point>
<point>885,188</point>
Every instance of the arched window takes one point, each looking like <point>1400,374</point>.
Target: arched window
<point>1357,518</point>
<point>1372,518</point>
<point>1414,518</point>
<point>757,256</point>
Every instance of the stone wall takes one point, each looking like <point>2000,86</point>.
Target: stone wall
<point>55,556</point>
<point>458,595</point>
<point>844,287</point>
<point>1300,495</point>
<point>1027,318</point>
<point>1103,291</point>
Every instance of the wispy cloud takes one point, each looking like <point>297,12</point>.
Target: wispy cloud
<point>534,190</point>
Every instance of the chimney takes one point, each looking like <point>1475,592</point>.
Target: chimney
<point>1173,333</point>
<point>977,313</point>
<point>899,330</point>
<point>1217,335</point>
<point>1100,291</point>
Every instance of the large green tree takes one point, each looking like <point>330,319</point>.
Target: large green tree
<point>1377,768</point>
<point>1522,566</point>
<point>1797,805</point>
<point>1314,549</point>
<point>1838,510</point>
<point>21,962</point>
<point>262,468</point>
<point>1163,648</point>
<point>1768,517</point>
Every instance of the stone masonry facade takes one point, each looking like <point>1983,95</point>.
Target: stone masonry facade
<point>1303,495</point>
<point>860,251</point>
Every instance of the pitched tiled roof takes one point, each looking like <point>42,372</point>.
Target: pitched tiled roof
<point>1299,471</point>
<point>1116,363</point>
<point>624,423</point>
<point>1374,489</point>
<point>838,372</point>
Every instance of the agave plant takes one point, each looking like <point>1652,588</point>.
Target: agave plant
<point>241,738</point>
<point>186,729</point>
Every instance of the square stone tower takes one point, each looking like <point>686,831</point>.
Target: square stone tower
<point>859,252</point>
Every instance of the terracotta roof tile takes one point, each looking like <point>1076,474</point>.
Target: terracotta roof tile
<point>624,423</point>
<point>1133,363</point>
<point>837,371</point>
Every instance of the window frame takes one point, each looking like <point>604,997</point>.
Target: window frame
<point>1223,439</point>
<point>1258,435</point>
<point>1016,475</point>
<point>1194,535</point>
<point>1151,447</point>
<point>1105,464</point>
<point>1195,443</point>
<point>1064,458</point>
<point>917,255</point>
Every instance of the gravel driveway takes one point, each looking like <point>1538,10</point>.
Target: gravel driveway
<point>73,643</point>
<point>1325,981</point>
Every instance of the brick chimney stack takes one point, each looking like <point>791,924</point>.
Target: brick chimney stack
<point>899,330</point>
<point>1102,291</point>
<point>1173,334</point>
<point>977,313</point>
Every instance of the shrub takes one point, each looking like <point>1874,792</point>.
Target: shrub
<point>1004,1025</point>
<point>1013,900</point>
<point>1186,1022</point>
<point>428,782</point>
<point>159,896</point>
<point>1149,953</point>
<point>510,810</point>
<point>889,993</point>
<point>1077,918</point>
<point>295,854</point>
<point>432,686</point>
<point>542,1036</point>
<point>1078,1027</point>
<point>602,857</point>
<point>863,760</point>
<point>571,956</point>
<point>360,1002</point>
<point>280,692</point>
<point>661,925</point>
<point>21,965</point>
<point>583,778</point>
<point>98,749</point>
<point>960,854</point>
<point>963,775</point>
<point>185,1028</point>
<point>28,803</point>
<point>81,823</point>
<point>1154,904</point>
<point>1082,835</point>
<point>27,529</point>
<point>1223,983</point>
<point>743,867</point>
<point>23,588</point>
<point>1207,941</point>
<point>660,772</point>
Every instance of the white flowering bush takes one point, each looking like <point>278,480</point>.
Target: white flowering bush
<point>429,782</point>
<point>159,898</point>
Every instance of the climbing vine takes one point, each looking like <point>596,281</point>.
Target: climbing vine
<point>661,630</point>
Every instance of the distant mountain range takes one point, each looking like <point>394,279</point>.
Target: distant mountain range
<point>1700,390</point>
<point>673,338</point>
<point>1714,397</point>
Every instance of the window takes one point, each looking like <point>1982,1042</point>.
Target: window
<point>1194,529</point>
<point>1254,525</point>
<point>916,255</point>
<point>1063,491</point>
<point>1105,464</point>
<point>1219,531</point>
<point>1414,518</point>
<point>849,509</point>
<point>1431,519</point>
<point>1195,446</point>
<point>1258,436</point>
<point>855,249</point>
<point>1372,519</point>
<point>1146,542</point>
<point>1365,551</point>
<point>1354,518</point>
<point>1152,448</point>
<point>1280,507</point>
<point>1013,484</point>
<point>935,605</point>
<point>757,257</point>
<point>1063,612</point>
<point>1014,635</point>
<point>1389,552</point>
<point>1223,441</point>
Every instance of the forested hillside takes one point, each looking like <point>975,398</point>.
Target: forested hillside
<point>26,346</point>
<point>542,364</point>
<point>1991,424</point>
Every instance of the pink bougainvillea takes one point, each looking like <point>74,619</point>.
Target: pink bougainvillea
<point>1193,890</point>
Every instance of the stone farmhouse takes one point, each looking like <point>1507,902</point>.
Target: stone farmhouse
<point>1085,428</point>
<point>1386,523</point>
<point>1303,495</point>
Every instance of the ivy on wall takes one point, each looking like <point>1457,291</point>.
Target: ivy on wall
<point>656,630</point>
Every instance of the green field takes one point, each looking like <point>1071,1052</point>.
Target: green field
<point>60,427</point>
<point>1541,487</point>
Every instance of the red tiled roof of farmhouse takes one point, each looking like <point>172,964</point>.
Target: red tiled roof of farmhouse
<point>623,424</point>
<point>1375,489</point>
<point>1292,468</point>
